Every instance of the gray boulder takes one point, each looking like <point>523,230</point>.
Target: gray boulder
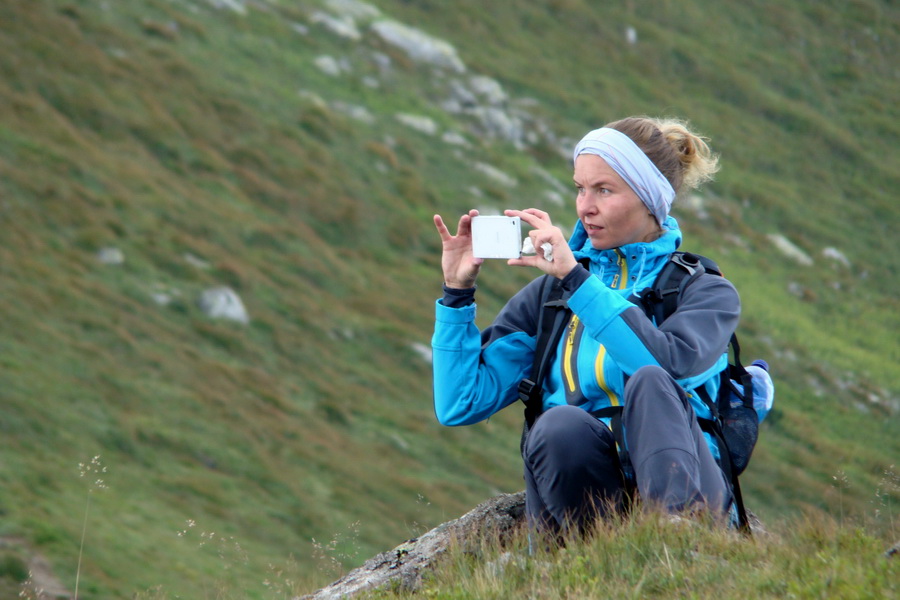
<point>419,46</point>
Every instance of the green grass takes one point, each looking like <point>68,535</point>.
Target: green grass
<point>648,557</point>
<point>168,129</point>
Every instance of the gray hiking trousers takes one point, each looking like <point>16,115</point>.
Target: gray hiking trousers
<point>572,469</point>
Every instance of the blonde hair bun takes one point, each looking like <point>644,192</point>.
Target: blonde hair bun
<point>698,162</point>
<point>681,155</point>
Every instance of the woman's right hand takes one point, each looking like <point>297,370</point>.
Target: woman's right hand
<point>460,266</point>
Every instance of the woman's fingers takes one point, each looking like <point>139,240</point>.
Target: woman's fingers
<point>442,228</point>
<point>534,217</point>
<point>465,223</point>
<point>463,228</point>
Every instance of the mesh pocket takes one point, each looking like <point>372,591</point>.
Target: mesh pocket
<point>740,427</point>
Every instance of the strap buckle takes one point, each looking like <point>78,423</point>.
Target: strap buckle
<point>526,390</point>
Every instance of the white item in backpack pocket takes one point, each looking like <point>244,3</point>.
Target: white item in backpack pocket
<point>496,237</point>
<point>763,389</point>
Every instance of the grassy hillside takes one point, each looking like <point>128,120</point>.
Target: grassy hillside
<point>648,556</point>
<point>206,141</point>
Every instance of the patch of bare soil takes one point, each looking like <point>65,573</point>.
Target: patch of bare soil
<point>41,584</point>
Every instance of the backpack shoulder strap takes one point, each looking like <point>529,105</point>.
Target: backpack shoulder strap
<point>661,299</point>
<point>551,323</point>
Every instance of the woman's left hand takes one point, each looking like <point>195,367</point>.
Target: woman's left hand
<point>544,232</point>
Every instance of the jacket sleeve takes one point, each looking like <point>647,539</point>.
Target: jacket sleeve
<point>477,373</point>
<point>690,344</point>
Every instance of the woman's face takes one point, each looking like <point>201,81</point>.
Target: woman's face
<point>610,211</point>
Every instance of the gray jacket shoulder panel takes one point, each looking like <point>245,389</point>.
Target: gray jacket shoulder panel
<point>692,338</point>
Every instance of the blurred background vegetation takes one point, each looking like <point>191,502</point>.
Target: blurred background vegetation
<point>214,143</point>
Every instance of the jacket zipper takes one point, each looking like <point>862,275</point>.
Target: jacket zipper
<point>601,380</point>
<point>567,355</point>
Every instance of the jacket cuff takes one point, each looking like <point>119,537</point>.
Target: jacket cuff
<point>458,298</point>
<point>575,278</point>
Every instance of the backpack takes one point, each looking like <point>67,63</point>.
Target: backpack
<point>734,423</point>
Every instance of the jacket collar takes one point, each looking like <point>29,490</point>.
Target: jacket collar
<point>642,258</point>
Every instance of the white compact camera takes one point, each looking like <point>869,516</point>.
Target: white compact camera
<point>496,237</point>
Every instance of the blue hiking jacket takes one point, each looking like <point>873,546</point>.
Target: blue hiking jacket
<point>477,373</point>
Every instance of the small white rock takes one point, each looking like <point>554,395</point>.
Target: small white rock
<point>420,123</point>
<point>223,303</point>
<point>836,255</point>
<point>111,256</point>
<point>786,247</point>
<point>422,350</point>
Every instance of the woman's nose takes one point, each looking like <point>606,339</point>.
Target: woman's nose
<point>584,206</point>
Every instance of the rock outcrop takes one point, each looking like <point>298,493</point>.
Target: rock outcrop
<point>404,565</point>
<point>893,550</point>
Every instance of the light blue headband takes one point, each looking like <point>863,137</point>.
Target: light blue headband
<point>630,162</point>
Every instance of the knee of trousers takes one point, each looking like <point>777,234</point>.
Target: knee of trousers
<point>651,382</point>
<point>555,431</point>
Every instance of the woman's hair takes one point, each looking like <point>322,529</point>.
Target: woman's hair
<point>681,156</point>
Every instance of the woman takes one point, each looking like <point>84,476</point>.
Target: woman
<point>626,174</point>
